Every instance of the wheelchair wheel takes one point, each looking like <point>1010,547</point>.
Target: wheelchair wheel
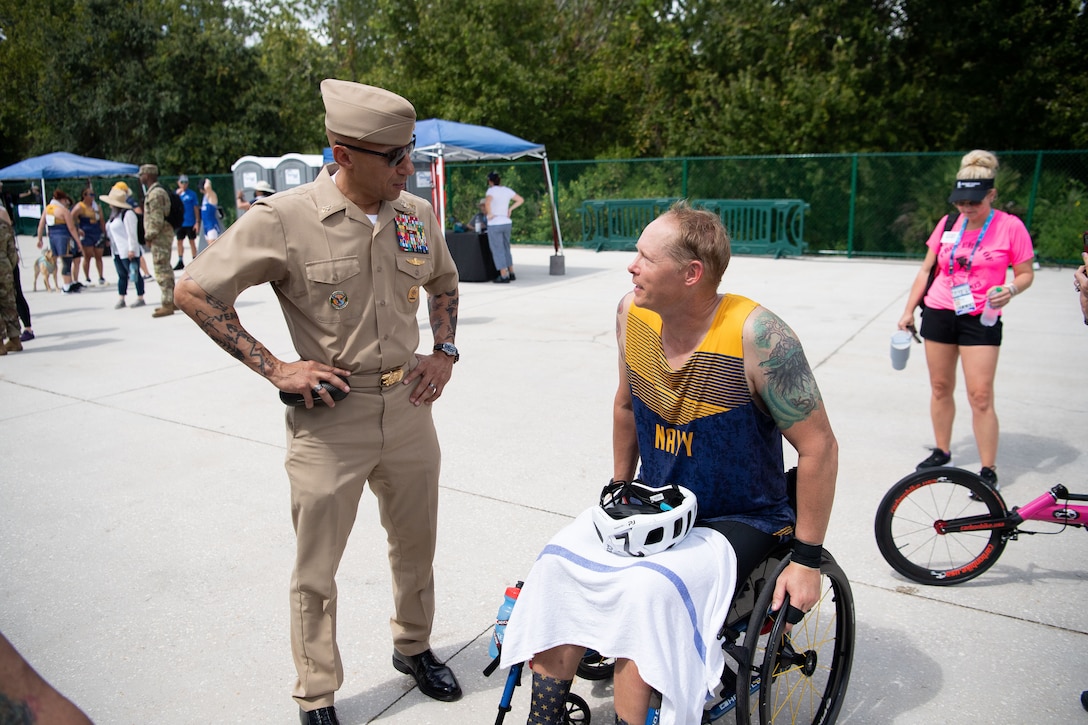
<point>595,667</point>
<point>907,532</point>
<point>800,677</point>
<point>576,710</point>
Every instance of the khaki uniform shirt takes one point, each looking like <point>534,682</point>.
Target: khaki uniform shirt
<point>349,289</point>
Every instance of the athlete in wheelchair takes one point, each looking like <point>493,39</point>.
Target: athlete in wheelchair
<point>709,386</point>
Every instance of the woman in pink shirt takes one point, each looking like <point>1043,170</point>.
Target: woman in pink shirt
<point>972,260</point>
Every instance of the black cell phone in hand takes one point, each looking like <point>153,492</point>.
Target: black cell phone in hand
<point>1086,242</point>
<point>296,399</point>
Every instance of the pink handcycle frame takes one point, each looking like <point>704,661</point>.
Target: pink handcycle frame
<point>1052,507</point>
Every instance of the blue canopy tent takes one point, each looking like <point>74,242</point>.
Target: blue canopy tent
<point>439,141</point>
<point>63,165</point>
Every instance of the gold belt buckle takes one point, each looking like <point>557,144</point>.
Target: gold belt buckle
<point>392,377</point>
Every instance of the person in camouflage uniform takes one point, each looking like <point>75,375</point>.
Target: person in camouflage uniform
<point>9,313</point>
<point>158,235</point>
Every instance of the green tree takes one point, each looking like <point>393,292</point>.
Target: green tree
<point>183,83</point>
<point>22,57</point>
<point>475,61</point>
<point>992,74</point>
<point>292,64</point>
<point>771,77</point>
<point>194,84</point>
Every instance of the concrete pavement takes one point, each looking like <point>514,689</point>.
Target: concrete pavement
<point>146,543</point>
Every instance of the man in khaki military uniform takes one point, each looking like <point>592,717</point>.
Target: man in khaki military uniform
<point>348,256</point>
<point>158,235</point>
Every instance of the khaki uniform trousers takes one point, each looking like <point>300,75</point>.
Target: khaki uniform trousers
<point>377,436</point>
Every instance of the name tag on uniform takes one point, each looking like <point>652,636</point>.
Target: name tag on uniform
<point>963,299</point>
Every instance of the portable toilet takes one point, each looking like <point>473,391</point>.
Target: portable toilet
<point>248,170</point>
<point>296,169</point>
<point>421,183</point>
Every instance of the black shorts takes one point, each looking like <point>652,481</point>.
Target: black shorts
<point>749,543</point>
<point>183,232</point>
<point>951,329</point>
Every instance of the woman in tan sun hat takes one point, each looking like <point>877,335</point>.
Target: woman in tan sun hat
<point>144,272</point>
<point>124,244</point>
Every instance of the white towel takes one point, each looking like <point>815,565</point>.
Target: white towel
<point>662,611</point>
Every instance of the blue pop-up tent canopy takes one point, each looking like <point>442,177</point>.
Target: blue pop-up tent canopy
<point>63,165</point>
<point>465,142</point>
<point>439,141</point>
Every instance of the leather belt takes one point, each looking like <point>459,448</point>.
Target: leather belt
<point>378,380</point>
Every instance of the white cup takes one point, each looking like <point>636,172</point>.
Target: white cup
<point>900,349</point>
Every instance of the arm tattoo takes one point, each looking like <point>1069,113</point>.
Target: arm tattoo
<point>443,308</point>
<point>220,323</point>
<point>16,711</point>
<point>790,390</point>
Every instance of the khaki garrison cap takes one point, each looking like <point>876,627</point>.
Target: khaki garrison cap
<point>149,169</point>
<point>356,112</point>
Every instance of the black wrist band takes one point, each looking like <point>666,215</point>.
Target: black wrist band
<point>806,554</point>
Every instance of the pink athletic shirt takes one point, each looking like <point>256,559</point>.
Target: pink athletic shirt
<point>1006,243</point>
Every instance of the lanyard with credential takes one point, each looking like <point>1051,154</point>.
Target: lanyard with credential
<point>978,243</point>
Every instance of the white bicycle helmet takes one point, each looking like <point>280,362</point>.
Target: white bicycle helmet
<point>638,520</point>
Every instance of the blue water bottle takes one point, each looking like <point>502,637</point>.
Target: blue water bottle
<point>502,618</point>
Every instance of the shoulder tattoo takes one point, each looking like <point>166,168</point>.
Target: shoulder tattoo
<point>789,389</point>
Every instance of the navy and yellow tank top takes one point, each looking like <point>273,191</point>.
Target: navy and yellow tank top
<point>699,427</point>
<point>87,220</point>
<point>57,229</point>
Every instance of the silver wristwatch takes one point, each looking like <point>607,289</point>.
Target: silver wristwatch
<point>450,349</point>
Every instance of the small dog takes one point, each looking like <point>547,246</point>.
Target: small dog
<point>46,266</point>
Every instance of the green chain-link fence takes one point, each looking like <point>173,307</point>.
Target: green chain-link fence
<point>878,205</point>
<point>875,205</point>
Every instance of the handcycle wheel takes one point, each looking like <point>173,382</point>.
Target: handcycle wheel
<point>576,710</point>
<point>594,666</point>
<point>800,676</point>
<point>907,520</point>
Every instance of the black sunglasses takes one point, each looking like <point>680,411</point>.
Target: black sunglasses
<point>394,157</point>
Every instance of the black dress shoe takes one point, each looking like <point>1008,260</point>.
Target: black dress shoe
<point>434,678</point>
<point>320,716</point>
